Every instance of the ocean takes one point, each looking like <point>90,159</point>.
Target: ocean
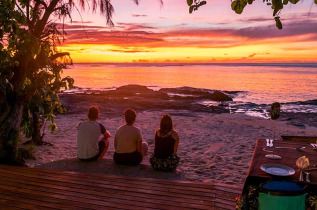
<point>260,84</point>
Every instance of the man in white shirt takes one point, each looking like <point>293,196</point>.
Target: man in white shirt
<point>89,147</point>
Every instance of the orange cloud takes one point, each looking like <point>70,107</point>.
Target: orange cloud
<point>133,42</point>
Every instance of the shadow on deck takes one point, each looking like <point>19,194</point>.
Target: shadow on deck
<point>33,188</point>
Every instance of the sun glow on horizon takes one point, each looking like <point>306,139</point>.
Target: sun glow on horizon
<point>147,33</point>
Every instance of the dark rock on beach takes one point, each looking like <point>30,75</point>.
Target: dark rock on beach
<point>299,119</point>
<point>142,98</point>
<point>189,92</point>
<point>136,90</point>
<point>309,102</point>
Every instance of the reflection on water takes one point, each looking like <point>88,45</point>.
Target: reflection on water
<point>262,84</point>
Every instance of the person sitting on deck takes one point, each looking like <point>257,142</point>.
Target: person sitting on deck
<point>129,148</point>
<point>166,143</point>
<point>89,147</point>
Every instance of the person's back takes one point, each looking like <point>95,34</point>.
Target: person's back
<point>127,137</point>
<point>166,145</point>
<point>88,133</point>
<point>129,148</point>
<point>87,139</point>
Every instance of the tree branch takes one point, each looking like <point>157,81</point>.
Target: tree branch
<point>57,8</point>
<point>59,55</point>
<point>41,23</point>
<point>28,11</point>
<point>41,2</point>
<point>20,9</point>
<point>35,11</point>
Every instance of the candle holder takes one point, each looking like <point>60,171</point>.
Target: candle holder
<point>302,163</point>
<point>301,175</point>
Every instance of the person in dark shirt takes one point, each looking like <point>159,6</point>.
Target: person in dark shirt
<point>166,144</point>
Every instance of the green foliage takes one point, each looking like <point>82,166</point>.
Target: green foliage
<point>30,63</point>
<point>195,4</point>
<point>239,5</point>
<point>278,23</point>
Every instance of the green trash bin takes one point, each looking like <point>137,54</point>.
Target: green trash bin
<point>282,195</point>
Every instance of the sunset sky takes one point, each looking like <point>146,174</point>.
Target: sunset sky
<point>149,32</point>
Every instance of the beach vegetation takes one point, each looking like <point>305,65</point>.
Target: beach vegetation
<point>31,66</point>
<point>238,6</point>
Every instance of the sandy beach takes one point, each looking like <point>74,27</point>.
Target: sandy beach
<point>214,147</point>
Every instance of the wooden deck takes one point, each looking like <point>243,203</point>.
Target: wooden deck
<point>29,188</point>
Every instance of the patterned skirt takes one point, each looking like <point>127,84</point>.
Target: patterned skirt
<point>164,164</point>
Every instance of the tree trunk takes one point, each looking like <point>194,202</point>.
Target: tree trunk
<point>9,134</point>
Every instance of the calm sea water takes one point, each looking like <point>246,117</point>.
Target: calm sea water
<point>264,83</point>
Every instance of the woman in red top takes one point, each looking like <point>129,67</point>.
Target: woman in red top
<point>166,143</point>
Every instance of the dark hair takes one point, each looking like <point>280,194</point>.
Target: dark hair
<point>166,124</point>
<point>129,116</point>
<point>93,113</point>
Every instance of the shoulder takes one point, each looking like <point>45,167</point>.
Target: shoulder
<point>137,129</point>
<point>175,135</point>
<point>81,124</point>
<point>100,124</point>
<point>157,132</point>
<point>102,128</point>
<point>120,128</point>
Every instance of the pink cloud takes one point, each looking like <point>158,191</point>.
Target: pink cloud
<point>142,35</point>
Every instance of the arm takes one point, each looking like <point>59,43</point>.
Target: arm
<point>106,134</point>
<point>176,137</point>
<point>115,142</point>
<point>139,142</point>
<point>138,146</point>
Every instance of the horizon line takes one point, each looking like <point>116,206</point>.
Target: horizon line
<point>204,63</point>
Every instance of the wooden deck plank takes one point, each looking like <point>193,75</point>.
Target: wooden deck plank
<point>49,188</point>
<point>35,188</point>
<point>62,200</point>
<point>25,201</point>
<point>96,190</point>
<point>38,198</point>
<point>8,204</point>
<point>123,180</point>
<point>8,207</point>
<point>144,180</point>
<point>105,184</point>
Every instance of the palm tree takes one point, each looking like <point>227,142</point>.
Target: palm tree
<point>31,65</point>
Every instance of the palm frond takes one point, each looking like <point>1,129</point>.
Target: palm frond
<point>107,9</point>
<point>82,4</point>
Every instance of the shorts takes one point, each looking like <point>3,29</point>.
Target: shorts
<point>102,146</point>
<point>133,158</point>
<point>164,164</point>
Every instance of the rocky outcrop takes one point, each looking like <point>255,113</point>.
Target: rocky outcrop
<point>138,97</point>
<point>195,93</point>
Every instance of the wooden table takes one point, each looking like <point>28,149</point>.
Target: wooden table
<point>289,156</point>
